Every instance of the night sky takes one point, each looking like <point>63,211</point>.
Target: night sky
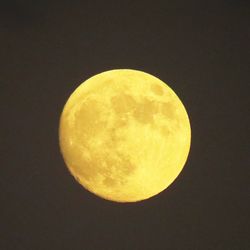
<point>200,48</point>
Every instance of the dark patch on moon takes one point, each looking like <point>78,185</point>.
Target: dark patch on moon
<point>156,89</point>
<point>168,109</point>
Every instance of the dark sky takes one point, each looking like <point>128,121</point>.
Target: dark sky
<point>200,48</point>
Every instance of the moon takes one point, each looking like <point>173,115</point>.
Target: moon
<point>124,135</point>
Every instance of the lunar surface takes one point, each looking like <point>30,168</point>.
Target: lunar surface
<point>124,135</point>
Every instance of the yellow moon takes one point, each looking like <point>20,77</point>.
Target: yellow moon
<point>124,135</point>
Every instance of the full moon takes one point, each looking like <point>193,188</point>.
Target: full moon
<point>124,135</point>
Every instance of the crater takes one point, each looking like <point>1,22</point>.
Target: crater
<point>88,119</point>
<point>145,111</point>
<point>83,169</point>
<point>109,182</point>
<point>121,122</point>
<point>168,109</point>
<point>115,170</point>
<point>127,167</point>
<point>123,103</point>
<point>156,89</point>
<point>164,130</point>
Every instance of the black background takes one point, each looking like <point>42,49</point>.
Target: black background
<point>200,48</point>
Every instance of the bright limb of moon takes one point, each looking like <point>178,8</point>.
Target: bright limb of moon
<point>124,135</point>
